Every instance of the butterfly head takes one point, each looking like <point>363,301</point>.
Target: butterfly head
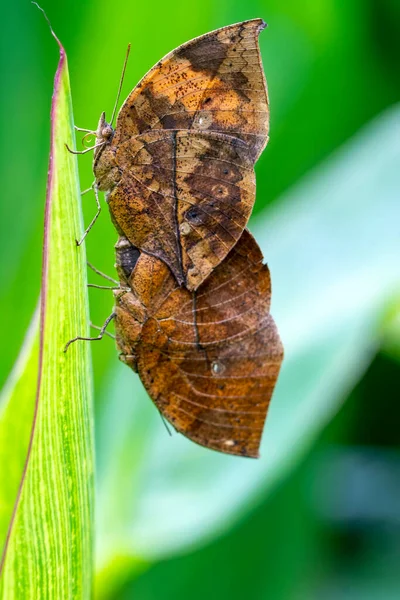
<point>104,158</point>
<point>105,131</point>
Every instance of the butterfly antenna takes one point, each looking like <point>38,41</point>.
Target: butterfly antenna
<point>120,84</point>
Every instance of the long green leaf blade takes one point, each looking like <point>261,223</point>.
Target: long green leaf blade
<point>17,405</point>
<point>48,552</point>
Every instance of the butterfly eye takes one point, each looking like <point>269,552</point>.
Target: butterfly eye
<point>107,132</point>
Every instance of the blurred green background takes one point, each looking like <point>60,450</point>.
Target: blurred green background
<point>318,516</point>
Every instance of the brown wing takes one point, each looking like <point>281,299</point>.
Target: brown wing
<point>184,197</point>
<point>213,83</point>
<point>208,359</point>
<point>185,145</point>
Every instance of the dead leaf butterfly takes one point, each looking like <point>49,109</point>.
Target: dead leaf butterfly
<point>192,310</point>
<point>179,166</point>
<point>210,358</point>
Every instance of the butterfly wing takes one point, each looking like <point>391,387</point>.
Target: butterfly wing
<point>185,146</point>
<point>185,198</point>
<point>212,83</point>
<point>210,359</point>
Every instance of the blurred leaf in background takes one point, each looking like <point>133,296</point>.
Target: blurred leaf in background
<point>332,243</point>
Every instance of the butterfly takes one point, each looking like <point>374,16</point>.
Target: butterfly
<point>192,307</point>
<point>209,358</point>
<point>178,169</point>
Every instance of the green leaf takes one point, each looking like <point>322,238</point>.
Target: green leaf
<point>332,245</point>
<point>391,329</point>
<point>17,405</point>
<point>48,552</point>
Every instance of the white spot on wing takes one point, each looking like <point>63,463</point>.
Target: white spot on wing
<point>217,367</point>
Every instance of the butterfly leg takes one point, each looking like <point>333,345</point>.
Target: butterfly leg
<point>111,335</point>
<point>103,287</point>
<point>93,339</point>
<point>86,149</point>
<point>93,221</point>
<point>102,274</point>
<point>84,130</point>
<point>117,285</point>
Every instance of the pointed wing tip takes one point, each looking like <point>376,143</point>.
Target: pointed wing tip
<point>255,454</point>
<point>263,25</point>
<point>251,450</point>
<point>243,452</point>
<point>260,23</point>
